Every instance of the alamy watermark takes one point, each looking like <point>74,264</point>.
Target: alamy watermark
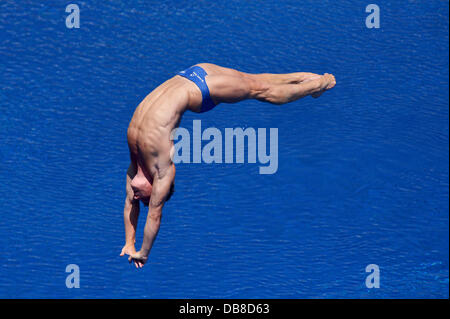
<point>73,279</point>
<point>225,150</point>
<point>373,279</point>
<point>73,19</point>
<point>373,19</point>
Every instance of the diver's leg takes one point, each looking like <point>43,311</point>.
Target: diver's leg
<point>273,78</point>
<point>316,85</point>
<point>288,78</point>
<point>232,89</point>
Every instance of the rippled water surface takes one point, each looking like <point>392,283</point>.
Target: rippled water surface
<point>362,175</point>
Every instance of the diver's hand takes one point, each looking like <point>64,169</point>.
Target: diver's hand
<point>128,249</point>
<point>139,259</point>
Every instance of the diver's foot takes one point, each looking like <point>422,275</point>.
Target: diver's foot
<point>307,77</point>
<point>328,82</point>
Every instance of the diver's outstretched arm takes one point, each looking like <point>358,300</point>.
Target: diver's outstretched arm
<point>160,192</point>
<point>130,214</point>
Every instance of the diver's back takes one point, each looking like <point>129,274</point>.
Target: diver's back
<point>155,118</point>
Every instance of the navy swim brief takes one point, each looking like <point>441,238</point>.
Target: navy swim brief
<point>197,75</point>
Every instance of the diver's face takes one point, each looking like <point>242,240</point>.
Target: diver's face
<point>142,189</point>
<point>143,195</point>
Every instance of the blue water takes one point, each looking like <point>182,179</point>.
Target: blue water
<point>363,173</point>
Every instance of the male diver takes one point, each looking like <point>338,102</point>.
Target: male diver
<point>151,174</point>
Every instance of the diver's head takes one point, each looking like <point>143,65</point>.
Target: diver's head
<point>142,189</point>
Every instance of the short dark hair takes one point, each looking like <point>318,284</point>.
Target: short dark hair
<point>172,190</point>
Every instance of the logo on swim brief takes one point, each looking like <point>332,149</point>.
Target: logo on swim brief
<point>234,142</point>
<point>196,75</point>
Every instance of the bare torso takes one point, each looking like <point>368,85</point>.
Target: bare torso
<point>150,145</point>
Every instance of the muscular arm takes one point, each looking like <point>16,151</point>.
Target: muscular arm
<point>130,214</point>
<point>160,191</point>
